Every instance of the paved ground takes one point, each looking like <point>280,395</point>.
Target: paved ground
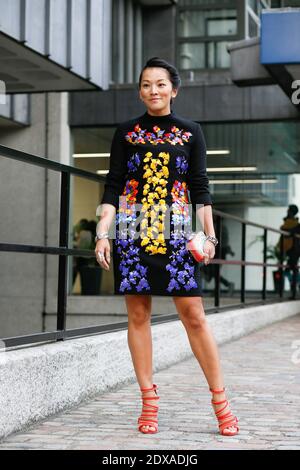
<point>262,375</point>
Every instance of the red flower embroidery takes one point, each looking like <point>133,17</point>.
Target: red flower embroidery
<point>141,136</point>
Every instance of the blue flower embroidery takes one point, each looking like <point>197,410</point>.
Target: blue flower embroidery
<point>181,164</point>
<point>132,271</point>
<point>133,162</point>
<point>181,266</point>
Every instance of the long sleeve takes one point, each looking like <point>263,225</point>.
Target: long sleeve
<point>115,178</point>
<point>197,176</point>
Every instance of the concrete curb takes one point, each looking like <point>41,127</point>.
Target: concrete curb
<point>43,380</point>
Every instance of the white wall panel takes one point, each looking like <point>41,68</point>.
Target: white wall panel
<point>10,11</point>
<point>58,31</point>
<point>96,40</point>
<point>79,36</point>
<point>35,24</point>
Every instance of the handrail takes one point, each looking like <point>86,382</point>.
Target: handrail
<point>63,251</point>
<point>249,222</point>
<point>36,160</point>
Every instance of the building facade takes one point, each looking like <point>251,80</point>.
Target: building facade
<point>71,70</point>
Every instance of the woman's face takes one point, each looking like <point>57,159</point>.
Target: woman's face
<point>156,90</point>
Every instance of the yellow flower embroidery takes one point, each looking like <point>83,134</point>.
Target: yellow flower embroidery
<point>156,174</point>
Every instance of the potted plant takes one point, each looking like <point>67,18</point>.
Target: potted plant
<point>273,252</point>
<point>90,277</point>
<point>90,272</point>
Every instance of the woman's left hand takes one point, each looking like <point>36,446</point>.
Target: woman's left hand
<point>209,249</point>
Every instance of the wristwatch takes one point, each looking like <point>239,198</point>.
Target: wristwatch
<point>100,236</point>
<point>214,240</point>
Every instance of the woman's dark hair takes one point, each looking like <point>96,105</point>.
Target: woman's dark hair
<point>84,224</point>
<point>173,72</point>
<point>293,209</point>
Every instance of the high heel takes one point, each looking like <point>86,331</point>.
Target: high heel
<point>151,412</point>
<point>228,419</point>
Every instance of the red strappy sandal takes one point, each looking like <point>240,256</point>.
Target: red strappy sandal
<point>228,419</point>
<point>148,416</point>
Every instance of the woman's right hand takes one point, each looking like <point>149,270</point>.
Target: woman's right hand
<point>103,247</point>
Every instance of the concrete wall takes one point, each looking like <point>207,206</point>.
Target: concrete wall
<point>15,110</point>
<point>29,207</point>
<point>204,103</point>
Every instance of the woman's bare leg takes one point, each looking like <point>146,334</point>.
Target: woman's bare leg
<point>140,341</point>
<point>203,344</point>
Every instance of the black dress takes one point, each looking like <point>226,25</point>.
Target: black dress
<point>156,164</point>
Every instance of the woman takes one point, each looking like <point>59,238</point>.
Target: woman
<point>291,246</point>
<point>155,159</point>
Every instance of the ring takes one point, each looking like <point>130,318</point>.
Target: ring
<point>100,254</point>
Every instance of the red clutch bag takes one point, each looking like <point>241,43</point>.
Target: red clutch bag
<point>195,245</point>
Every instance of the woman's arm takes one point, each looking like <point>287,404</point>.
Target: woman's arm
<point>115,178</point>
<point>199,190</point>
<point>197,175</point>
<point>205,215</point>
<point>107,214</point>
<point>198,183</point>
<point>114,184</point>
<point>206,218</point>
<point>113,188</point>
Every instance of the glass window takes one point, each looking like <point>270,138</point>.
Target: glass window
<point>253,27</point>
<point>199,23</point>
<point>91,153</point>
<point>218,57</point>
<point>203,32</point>
<point>199,55</point>
<point>206,3</point>
<point>253,4</point>
<point>192,56</point>
<point>285,3</point>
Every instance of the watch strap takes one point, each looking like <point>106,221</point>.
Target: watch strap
<point>214,240</point>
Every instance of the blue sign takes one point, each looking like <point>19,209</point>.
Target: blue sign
<point>280,37</point>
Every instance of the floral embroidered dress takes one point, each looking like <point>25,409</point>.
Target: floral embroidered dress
<point>157,175</point>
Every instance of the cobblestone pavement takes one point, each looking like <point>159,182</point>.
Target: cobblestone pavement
<point>262,375</point>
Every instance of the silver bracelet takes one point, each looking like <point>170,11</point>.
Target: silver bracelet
<point>100,236</point>
<point>212,239</point>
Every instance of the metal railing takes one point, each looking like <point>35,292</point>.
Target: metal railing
<point>63,251</point>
